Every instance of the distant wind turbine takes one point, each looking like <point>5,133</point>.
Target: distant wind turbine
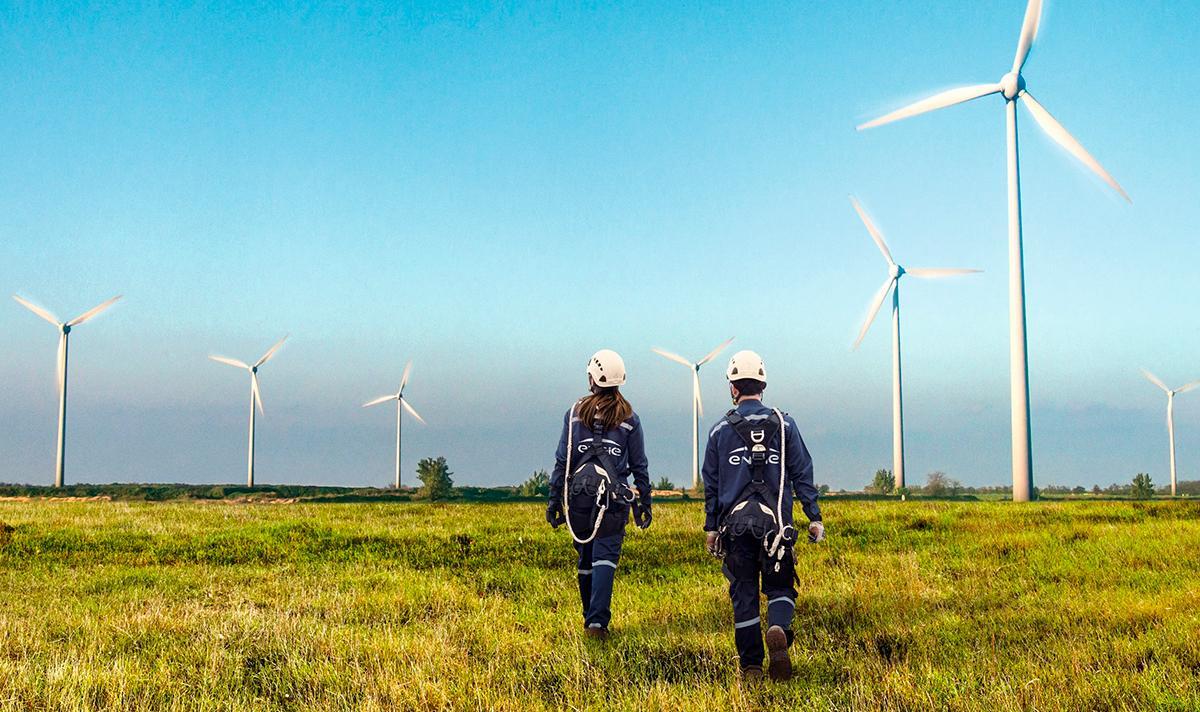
<point>64,331</point>
<point>895,272</point>
<point>1170,414</point>
<point>255,397</point>
<point>401,403</point>
<point>1012,87</point>
<point>697,406</point>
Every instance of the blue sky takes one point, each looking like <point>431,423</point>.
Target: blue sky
<point>497,191</point>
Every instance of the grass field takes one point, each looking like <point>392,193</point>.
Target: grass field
<point>916,605</point>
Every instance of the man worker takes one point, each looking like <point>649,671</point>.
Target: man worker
<point>754,465</point>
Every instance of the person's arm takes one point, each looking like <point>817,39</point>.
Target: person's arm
<point>560,463</point>
<point>710,473</point>
<point>800,472</point>
<point>639,466</point>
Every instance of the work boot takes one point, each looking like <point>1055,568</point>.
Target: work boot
<point>752,674</point>
<point>777,648</point>
<point>597,632</point>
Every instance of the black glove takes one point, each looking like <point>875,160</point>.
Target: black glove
<point>554,514</point>
<point>642,515</point>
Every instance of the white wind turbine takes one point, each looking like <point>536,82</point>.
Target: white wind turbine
<point>697,406</point>
<point>64,331</point>
<point>1012,87</point>
<point>895,272</point>
<point>401,403</point>
<point>1170,414</point>
<point>255,397</point>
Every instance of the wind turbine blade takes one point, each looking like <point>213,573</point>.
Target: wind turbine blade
<point>696,393</point>
<point>1188,387</point>
<point>380,399</point>
<point>713,354</point>
<point>270,352</point>
<point>876,235</point>
<point>938,272</point>
<point>93,311</point>
<point>257,393</point>
<point>1029,30</point>
<point>1056,131</point>
<point>43,313</point>
<point>1154,379</point>
<point>412,412</point>
<point>874,309</point>
<point>230,362</point>
<point>937,101</point>
<point>674,357</point>
<point>404,378</point>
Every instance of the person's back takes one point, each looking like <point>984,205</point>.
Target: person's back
<point>755,465</point>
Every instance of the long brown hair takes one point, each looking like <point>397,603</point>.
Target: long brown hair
<point>606,405</point>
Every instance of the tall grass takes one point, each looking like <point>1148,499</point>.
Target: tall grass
<point>377,606</point>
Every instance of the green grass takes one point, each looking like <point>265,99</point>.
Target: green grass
<point>918,605</point>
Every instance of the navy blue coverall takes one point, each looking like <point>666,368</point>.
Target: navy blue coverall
<point>726,473</point>
<point>598,558</point>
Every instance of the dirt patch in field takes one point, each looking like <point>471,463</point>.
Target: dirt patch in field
<point>97,498</point>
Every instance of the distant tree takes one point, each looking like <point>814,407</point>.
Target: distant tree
<point>1078,489</point>
<point>664,484</point>
<point>1143,486</point>
<point>435,476</point>
<point>883,483</point>
<point>1096,489</point>
<point>823,489</point>
<point>903,492</point>
<point>538,485</point>
<point>936,484</point>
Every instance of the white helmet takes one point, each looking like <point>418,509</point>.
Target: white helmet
<point>607,368</point>
<point>746,364</point>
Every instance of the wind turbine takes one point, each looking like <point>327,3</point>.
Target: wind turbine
<point>1170,414</point>
<point>1012,87</point>
<point>64,331</point>
<point>697,406</point>
<point>401,403</point>
<point>895,272</point>
<point>255,397</point>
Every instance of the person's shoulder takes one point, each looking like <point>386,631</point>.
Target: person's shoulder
<point>633,422</point>
<point>720,424</point>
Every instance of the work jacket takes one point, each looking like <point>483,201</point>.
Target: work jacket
<point>727,468</point>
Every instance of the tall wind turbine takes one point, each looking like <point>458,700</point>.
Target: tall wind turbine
<point>255,397</point>
<point>401,405</point>
<point>1170,414</point>
<point>64,331</point>
<point>1012,87</point>
<point>895,272</point>
<point>697,406</point>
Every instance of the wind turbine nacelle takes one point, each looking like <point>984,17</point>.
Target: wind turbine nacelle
<point>896,271</point>
<point>1012,84</point>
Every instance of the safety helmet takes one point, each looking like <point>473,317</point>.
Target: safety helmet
<point>607,368</point>
<point>746,364</point>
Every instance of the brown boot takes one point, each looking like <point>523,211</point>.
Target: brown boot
<point>596,632</point>
<point>752,674</point>
<point>777,647</point>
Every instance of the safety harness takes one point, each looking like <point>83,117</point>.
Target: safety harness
<point>752,514</point>
<point>592,487</point>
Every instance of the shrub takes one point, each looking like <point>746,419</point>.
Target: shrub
<point>883,483</point>
<point>435,476</point>
<point>538,485</point>
<point>664,484</point>
<point>1143,486</point>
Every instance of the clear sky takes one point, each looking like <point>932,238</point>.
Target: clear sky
<point>496,192</point>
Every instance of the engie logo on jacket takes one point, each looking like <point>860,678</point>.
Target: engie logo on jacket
<point>610,447</point>
<point>741,456</point>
